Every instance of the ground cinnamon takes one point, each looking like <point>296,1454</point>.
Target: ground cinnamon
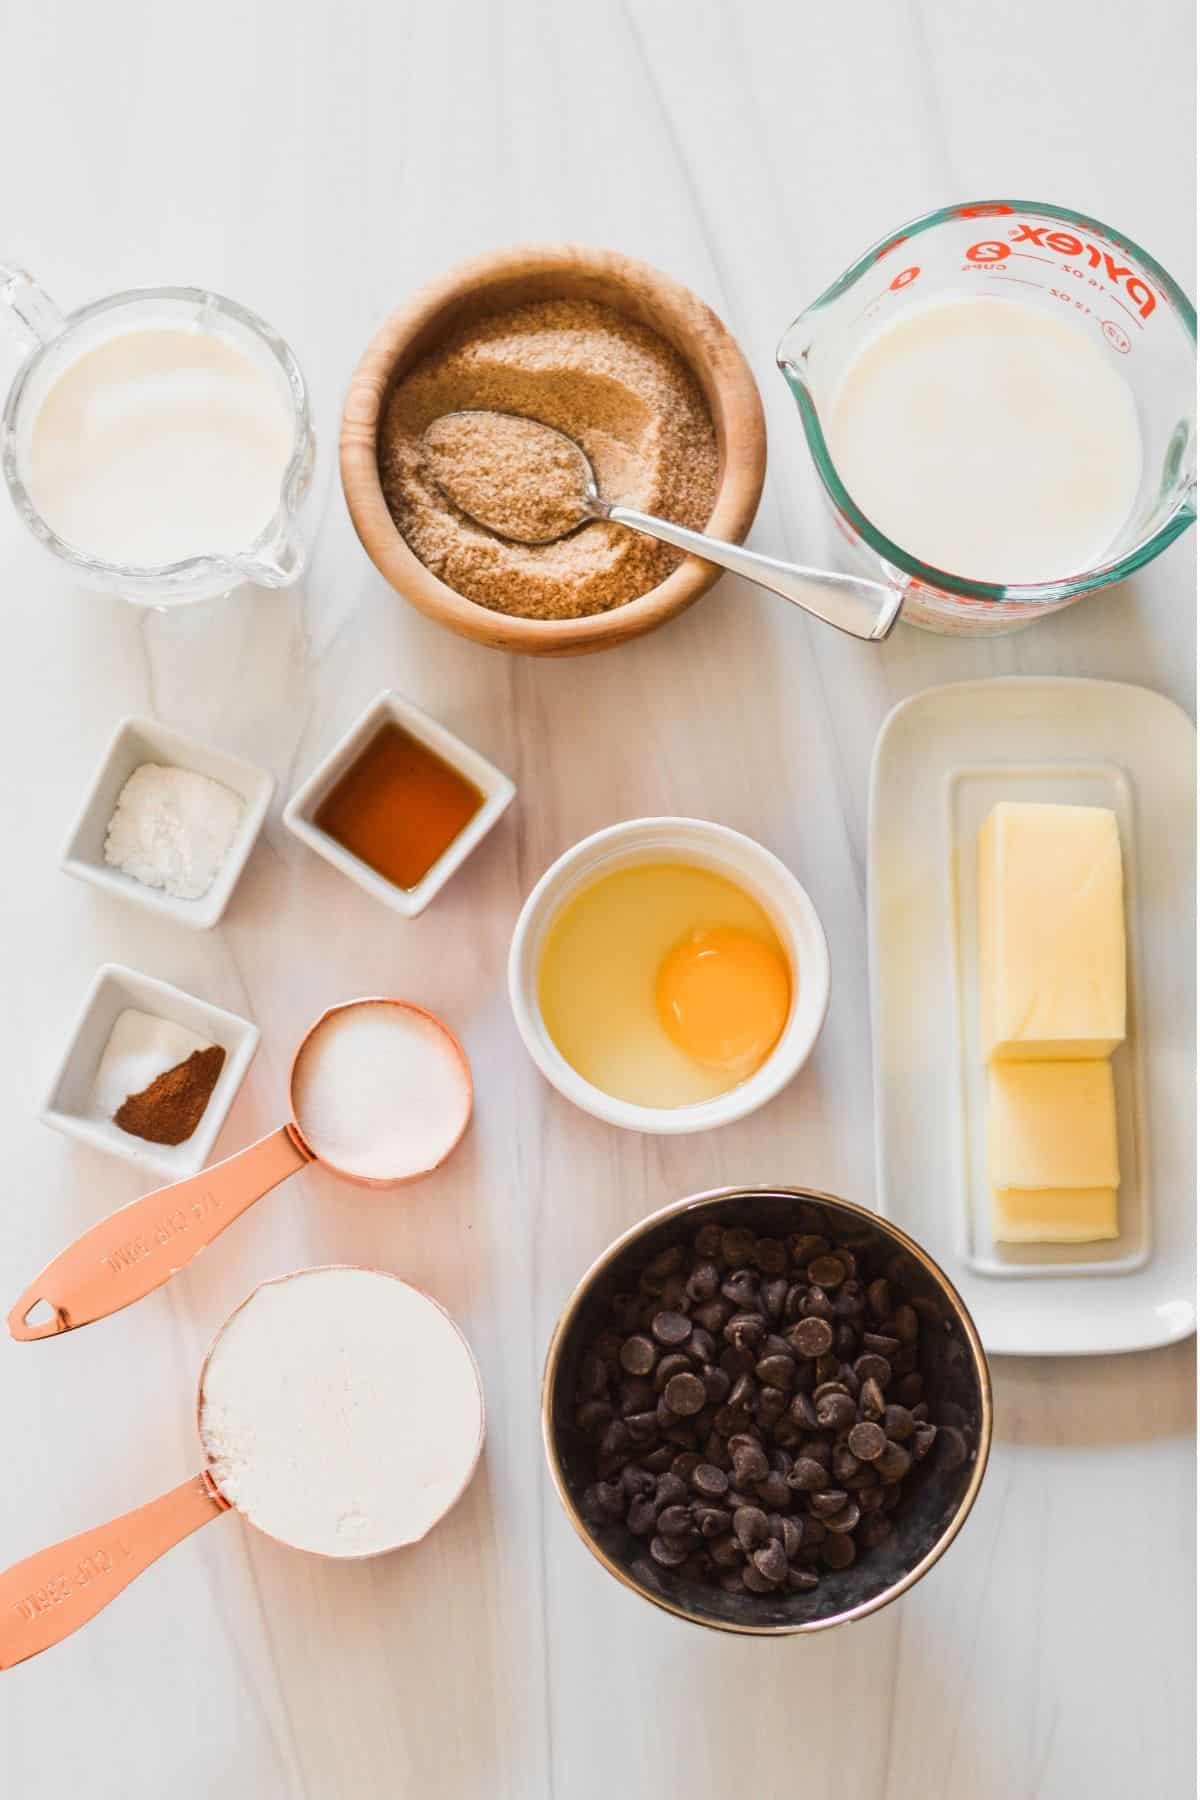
<point>169,1110</point>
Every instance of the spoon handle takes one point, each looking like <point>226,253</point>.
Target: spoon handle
<point>53,1592</point>
<point>863,609</point>
<point>143,1244</point>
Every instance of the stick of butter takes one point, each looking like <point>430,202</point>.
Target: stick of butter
<point>1051,933</point>
<point>1052,1152</point>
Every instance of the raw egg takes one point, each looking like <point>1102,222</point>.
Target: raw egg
<point>663,984</point>
<point>723,997</point>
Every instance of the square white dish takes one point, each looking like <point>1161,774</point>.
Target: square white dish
<point>137,741</point>
<point>496,788</point>
<point>68,1106</point>
<point>941,761</point>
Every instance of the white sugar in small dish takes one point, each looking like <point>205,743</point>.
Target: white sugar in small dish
<point>341,1411</point>
<point>381,1091</point>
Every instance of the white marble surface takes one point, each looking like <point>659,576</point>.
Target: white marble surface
<point>317,160</point>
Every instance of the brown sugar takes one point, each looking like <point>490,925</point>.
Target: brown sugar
<point>615,387</point>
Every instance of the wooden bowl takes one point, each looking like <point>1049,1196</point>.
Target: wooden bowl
<point>506,278</point>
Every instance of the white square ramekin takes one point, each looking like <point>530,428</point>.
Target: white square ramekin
<point>138,741</point>
<point>68,1098</point>
<point>497,791</point>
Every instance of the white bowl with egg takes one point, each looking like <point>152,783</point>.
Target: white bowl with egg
<point>135,743</point>
<point>725,853</point>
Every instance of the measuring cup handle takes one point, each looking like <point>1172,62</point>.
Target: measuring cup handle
<point>52,1593</point>
<point>861,608</point>
<point>142,1245</point>
<point>30,305</point>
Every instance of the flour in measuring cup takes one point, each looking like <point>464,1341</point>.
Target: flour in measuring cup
<point>341,1411</point>
<point>160,445</point>
<point>989,439</point>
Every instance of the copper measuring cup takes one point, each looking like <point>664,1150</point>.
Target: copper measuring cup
<point>49,1595</point>
<point>139,1247</point>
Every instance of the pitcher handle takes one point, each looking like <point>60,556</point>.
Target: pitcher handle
<point>31,306</point>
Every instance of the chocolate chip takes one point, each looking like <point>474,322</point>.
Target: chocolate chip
<point>845,1520</point>
<point>870,1399</point>
<point>807,1476</point>
<point>704,1282</point>
<point>867,1441</point>
<point>726,1552</point>
<point>827,1271</point>
<point>828,1502</point>
<point>737,1247</point>
<point>837,1551</point>
<point>771,1256</point>
<point>707,1241</point>
<point>750,1527</point>
<point>905,1324</point>
<point>669,1553</point>
<point>776,1371</point>
<point>811,1336</point>
<point>592,1416</point>
<point>712,1315</point>
<point>745,1331</point>
<point>638,1355</point>
<point>671,1328</point>
<point>898,1422</point>
<point>716,1385</point>
<point>711,1521</point>
<point>674,1364</point>
<point>710,1481</point>
<point>683,1465</point>
<point>879,1297</point>
<point>674,1520</point>
<point>802,1581</point>
<point>923,1438</point>
<point>882,1346</point>
<point>641,1517</point>
<point>874,1368</point>
<point>684,1395</point>
<point>874,1531</point>
<point>895,1462</point>
<point>836,1411</point>
<point>771,1562</point>
<point>774,1491</point>
<point>749,1465</point>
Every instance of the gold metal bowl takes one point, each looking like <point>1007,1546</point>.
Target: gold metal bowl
<point>937,1498</point>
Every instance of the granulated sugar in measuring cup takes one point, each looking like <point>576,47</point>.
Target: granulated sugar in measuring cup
<point>380,1093</point>
<point>340,1411</point>
<point>999,398</point>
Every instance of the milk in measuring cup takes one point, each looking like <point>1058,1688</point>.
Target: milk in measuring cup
<point>989,439</point>
<point>159,445</point>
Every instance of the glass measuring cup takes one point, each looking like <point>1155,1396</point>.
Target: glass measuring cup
<point>275,558</point>
<point>140,1246</point>
<point>49,1595</point>
<point>1071,267</point>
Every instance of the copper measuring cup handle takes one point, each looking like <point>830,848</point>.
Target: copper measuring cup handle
<point>55,1591</point>
<point>143,1244</point>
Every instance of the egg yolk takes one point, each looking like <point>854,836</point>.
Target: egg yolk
<point>723,998</point>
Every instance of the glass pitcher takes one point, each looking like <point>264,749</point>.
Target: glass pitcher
<point>1068,265</point>
<point>276,556</point>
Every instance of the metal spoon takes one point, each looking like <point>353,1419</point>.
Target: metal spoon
<point>861,608</point>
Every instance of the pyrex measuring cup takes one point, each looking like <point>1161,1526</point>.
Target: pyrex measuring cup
<point>139,1247</point>
<point>276,556</point>
<point>50,1594</point>
<point>1073,268</point>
